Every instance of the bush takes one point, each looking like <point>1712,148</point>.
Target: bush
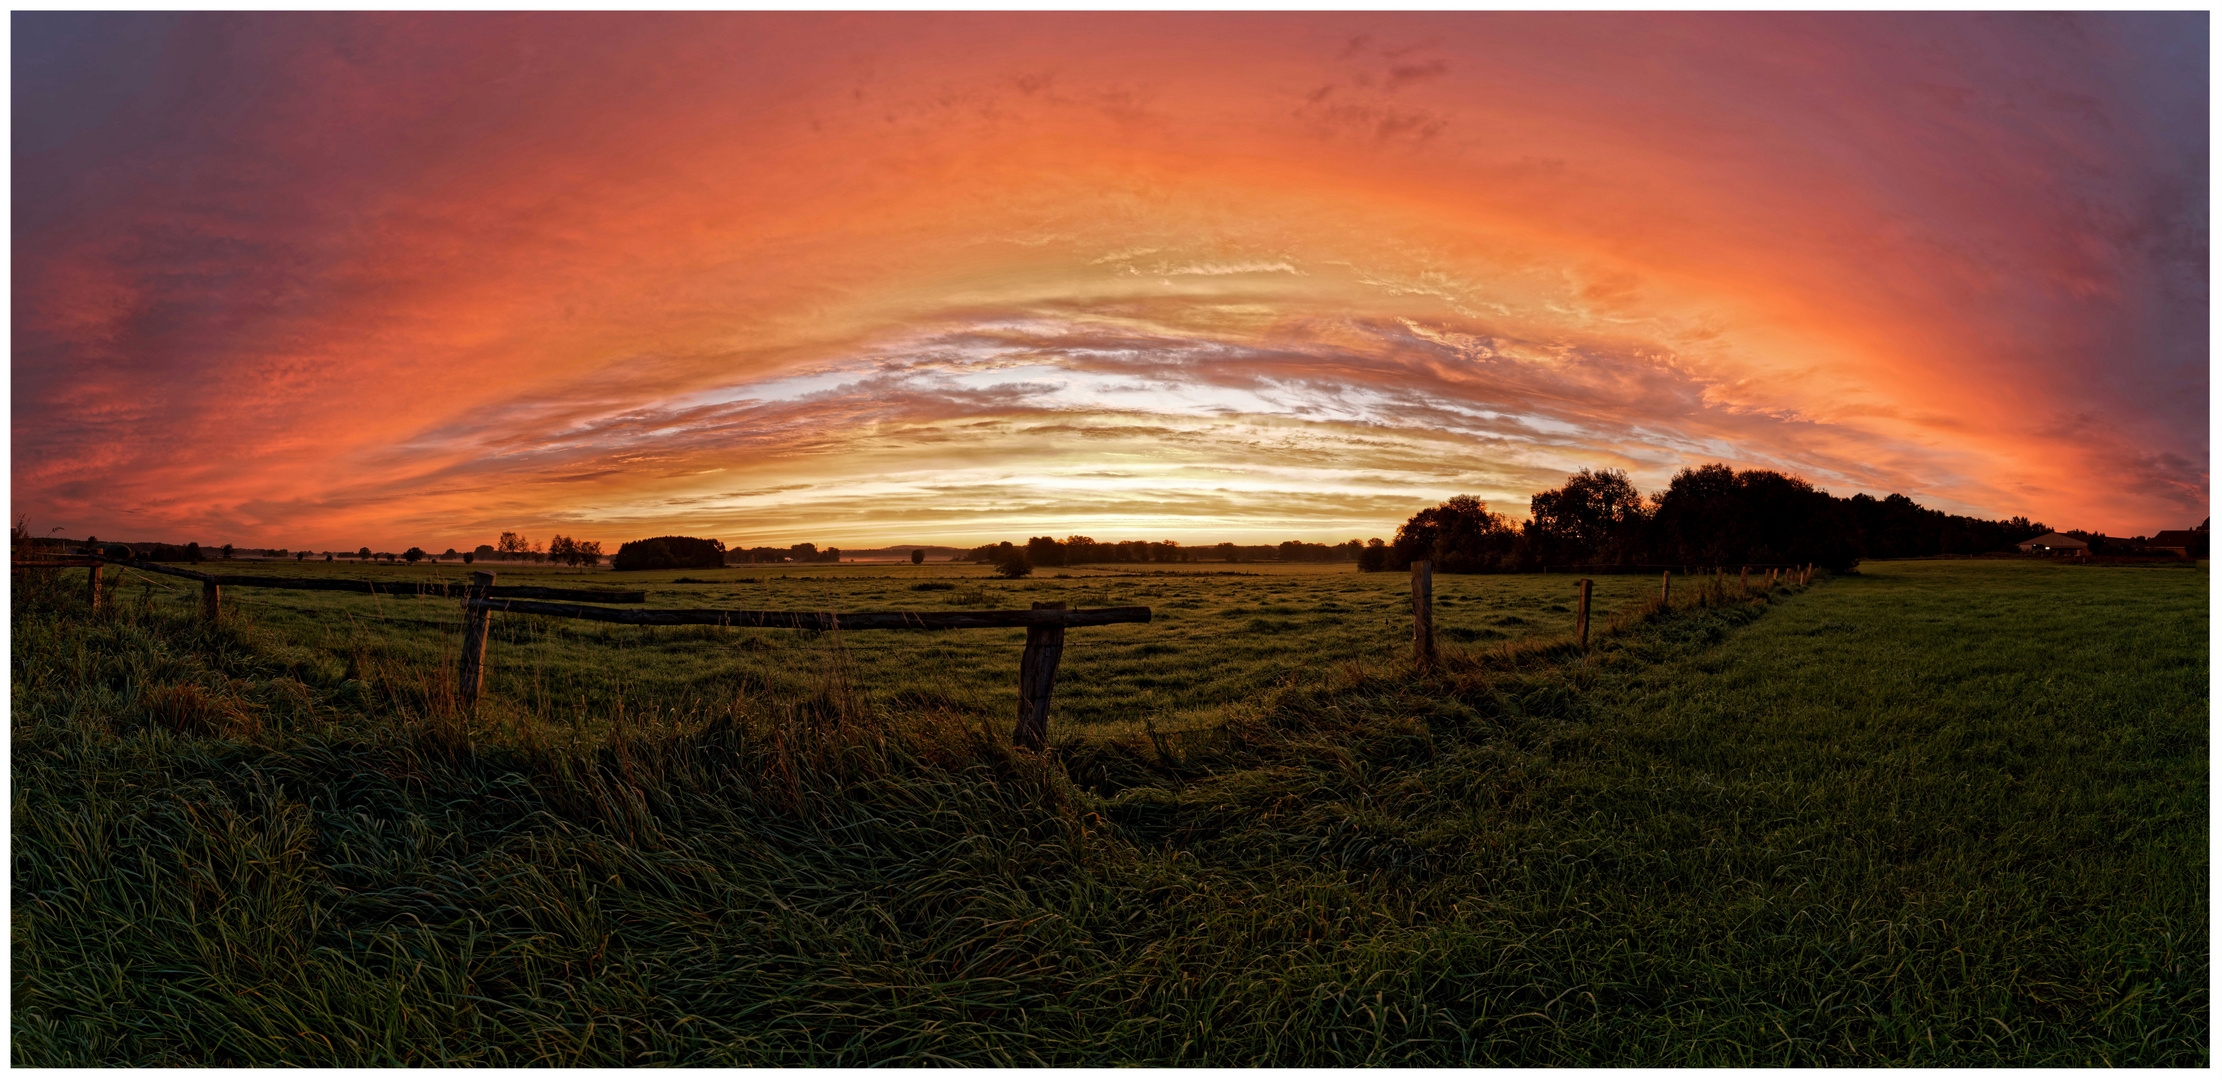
<point>1013,563</point>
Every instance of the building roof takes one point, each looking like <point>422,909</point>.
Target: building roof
<point>2175,538</point>
<point>2053,539</point>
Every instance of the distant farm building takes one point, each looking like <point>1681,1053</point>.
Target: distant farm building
<point>2189,543</point>
<point>2054,544</point>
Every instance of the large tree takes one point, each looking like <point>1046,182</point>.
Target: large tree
<point>1462,536</point>
<point>1596,517</point>
<point>1716,516</point>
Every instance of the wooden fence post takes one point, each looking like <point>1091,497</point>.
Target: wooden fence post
<point>1037,678</point>
<point>92,584</point>
<point>1423,615</point>
<point>1743,579</point>
<point>1666,587</point>
<point>1581,616</point>
<point>212,596</point>
<point>471,677</point>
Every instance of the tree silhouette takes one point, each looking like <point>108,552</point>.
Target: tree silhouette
<point>1597,516</point>
<point>1011,562</point>
<point>1462,536</point>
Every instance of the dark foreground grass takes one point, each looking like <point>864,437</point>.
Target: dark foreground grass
<point>1932,814</point>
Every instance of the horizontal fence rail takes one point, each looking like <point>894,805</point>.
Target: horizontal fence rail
<point>1045,624</point>
<point>1684,569</point>
<point>822,620</point>
<point>386,588</point>
<point>1037,668</point>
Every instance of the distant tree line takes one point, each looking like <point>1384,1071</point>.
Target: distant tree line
<point>792,553</point>
<point>1074,550</point>
<point>514,547</point>
<point>1016,560</point>
<point>1712,515</point>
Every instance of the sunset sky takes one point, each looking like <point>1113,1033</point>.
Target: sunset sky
<point>331,280</point>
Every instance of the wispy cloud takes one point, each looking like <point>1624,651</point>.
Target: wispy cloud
<point>403,278</point>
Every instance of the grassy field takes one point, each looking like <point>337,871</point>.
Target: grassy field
<point>1219,634</point>
<point>1934,813</point>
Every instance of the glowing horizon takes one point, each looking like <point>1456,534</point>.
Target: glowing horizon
<point>335,280</point>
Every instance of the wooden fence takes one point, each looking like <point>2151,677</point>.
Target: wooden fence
<point>1423,600</point>
<point>1037,672</point>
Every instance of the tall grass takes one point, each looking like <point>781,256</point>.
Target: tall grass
<point>1689,845</point>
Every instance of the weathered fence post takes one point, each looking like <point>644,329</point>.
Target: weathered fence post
<point>92,584</point>
<point>212,596</point>
<point>1666,587</point>
<point>1037,678</point>
<point>1743,579</point>
<point>472,676</point>
<point>1423,615</point>
<point>1581,616</point>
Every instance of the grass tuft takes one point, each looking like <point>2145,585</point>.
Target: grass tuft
<point>1852,825</point>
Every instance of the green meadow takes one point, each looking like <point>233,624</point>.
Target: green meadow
<point>1218,635</point>
<point>1933,813</point>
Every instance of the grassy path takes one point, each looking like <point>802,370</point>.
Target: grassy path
<point>1932,814</point>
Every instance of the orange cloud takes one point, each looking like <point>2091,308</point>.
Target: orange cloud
<point>339,279</point>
